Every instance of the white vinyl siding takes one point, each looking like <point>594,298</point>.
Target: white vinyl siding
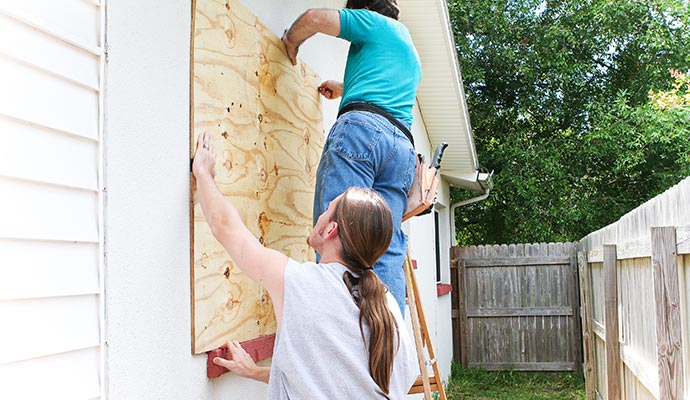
<point>51,291</point>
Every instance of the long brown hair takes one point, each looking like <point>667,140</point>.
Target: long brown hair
<point>388,8</point>
<point>365,229</point>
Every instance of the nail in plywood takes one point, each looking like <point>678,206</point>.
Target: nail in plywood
<point>265,115</point>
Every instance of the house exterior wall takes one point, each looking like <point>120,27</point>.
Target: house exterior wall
<point>147,329</point>
<point>50,203</point>
<point>422,246</point>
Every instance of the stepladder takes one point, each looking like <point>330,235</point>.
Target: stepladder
<point>426,356</point>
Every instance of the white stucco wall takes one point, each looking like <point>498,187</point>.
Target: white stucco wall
<point>421,241</point>
<point>147,329</point>
<point>147,208</point>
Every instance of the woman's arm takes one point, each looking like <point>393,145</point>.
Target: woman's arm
<point>240,363</point>
<point>265,266</point>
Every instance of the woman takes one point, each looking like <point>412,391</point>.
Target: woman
<point>339,333</point>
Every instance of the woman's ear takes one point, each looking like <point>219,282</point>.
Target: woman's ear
<point>331,230</point>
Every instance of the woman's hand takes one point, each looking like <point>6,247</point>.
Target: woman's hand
<point>205,156</point>
<point>242,364</point>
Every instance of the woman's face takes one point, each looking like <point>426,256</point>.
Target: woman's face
<point>324,225</point>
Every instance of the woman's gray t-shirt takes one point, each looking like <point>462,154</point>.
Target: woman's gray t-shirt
<point>319,351</point>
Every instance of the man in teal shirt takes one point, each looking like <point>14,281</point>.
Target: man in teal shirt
<point>370,144</point>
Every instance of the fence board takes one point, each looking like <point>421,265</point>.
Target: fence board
<point>459,310</point>
<point>519,312</point>
<point>685,307</point>
<point>512,261</point>
<point>613,379</point>
<point>641,370</point>
<point>575,293</point>
<point>633,389</point>
<point>668,319</point>
<point>636,310</point>
<point>587,321</point>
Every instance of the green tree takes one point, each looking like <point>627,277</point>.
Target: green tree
<point>558,98</point>
<point>650,144</point>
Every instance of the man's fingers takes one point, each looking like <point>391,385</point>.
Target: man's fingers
<point>292,54</point>
<point>326,92</point>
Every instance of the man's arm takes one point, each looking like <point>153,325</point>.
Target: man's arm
<point>311,22</point>
<point>265,266</point>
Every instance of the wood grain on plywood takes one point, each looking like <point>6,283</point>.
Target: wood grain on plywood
<point>265,115</point>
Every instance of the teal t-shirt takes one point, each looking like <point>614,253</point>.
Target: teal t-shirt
<point>382,66</point>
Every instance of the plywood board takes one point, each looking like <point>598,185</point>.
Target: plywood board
<point>266,117</point>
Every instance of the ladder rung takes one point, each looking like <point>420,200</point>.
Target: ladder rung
<point>418,386</point>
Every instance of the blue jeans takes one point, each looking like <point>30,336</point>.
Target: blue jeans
<point>364,149</point>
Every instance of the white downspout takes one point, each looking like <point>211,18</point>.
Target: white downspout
<point>464,203</point>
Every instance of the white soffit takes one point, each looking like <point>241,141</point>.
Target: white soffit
<point>441,97</point>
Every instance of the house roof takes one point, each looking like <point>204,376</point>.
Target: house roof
<point>441,96</point>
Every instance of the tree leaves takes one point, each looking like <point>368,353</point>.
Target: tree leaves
<point>558,94</point>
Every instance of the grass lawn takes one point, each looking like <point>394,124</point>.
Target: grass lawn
<point>477,384</point>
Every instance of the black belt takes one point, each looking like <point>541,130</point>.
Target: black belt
<point>361,106</point>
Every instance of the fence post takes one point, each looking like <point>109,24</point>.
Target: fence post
<point>462,313</point>
<point>455,298</point>
<point>459,308</point>
<point>668,319</point>
<point>613,380</point>
<point>576,308</point>
<point>587,313</point>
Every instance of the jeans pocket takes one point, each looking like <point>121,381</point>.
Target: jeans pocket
<point>411,170</point>
<point>355,138</point>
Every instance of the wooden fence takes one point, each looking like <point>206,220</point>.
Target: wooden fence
<point>635,289</point>
<point>516,307</point>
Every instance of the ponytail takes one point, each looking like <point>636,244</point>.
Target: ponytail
<point>365,237</point>
<point>373,309</point>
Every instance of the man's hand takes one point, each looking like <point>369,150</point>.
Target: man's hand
<point>205,156</point>
<point>331,89</point>
<point>242,364</point>
<point>290,48</point>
